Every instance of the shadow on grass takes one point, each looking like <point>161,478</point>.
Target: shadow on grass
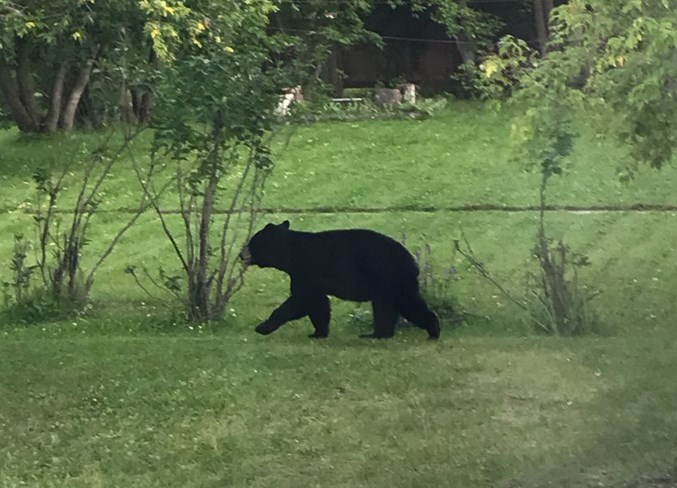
<point>635,443</point>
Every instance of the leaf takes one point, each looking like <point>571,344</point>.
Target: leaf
<point>490,67</point>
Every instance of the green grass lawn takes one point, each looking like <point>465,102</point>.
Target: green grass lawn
<point>238,410</point>
<point>122,397</point>
<point>460,157</point>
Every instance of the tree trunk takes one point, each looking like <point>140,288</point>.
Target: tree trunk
<point>24,78</point>
<point>202,280</point>
<point>68,116</point>
<point>10,92</point>
<point>126,102</point>
<point>540,24</point>
<point>147,98</point>
<point>466,47</point>
<point>547,7</point>
<point>52,119</point>
<point>88,112</point>
<point>334,75</point>
<point>136,95</point>
<point>146,107</point>
<point>142,101</point>
<point>208,200</point>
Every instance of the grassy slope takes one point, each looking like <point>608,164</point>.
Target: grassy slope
<point>92,405</point>
<point>459,157</point>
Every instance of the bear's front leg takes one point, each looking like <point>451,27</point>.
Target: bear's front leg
<point>292,308</point>
<point>266,327</point>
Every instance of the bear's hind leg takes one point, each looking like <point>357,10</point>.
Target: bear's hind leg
<point>385,318</point>
<point>320,315</point>
<point>415,310</point>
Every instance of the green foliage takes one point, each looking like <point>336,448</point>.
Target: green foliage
<point>172,287</point>
<point>213,137</point>
<point>56,279</point>
<point>557,302</point>
<point>615,59</point>
<point>39,306</point>
<point>564,303</point>
<point>474,31</point>
<point>15,290</point>
<point>41,45</point>
<point>498,73</point>
<point>25,301</point>
<point>122,30</point>
<point>309,31</point>
<point>543,136</point>
<point>129,41</point>
<point>461,20</point>
<point>327,110</point>
<point>626,50</point>
<point>236,89</point>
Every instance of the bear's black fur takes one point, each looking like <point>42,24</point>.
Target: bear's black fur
<point>354,264</point>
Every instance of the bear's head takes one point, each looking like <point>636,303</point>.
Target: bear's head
<point>264,248</point>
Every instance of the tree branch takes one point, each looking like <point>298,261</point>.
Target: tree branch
<point>143,206</point>
<point>154,203</point>
<point>479,266</point>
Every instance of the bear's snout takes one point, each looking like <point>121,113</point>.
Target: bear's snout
<point>245,255</point>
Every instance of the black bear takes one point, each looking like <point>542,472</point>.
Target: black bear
<point>352,264</point>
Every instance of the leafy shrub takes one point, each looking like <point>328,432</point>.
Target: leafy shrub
<point>15,290</point>
<point>170,291</point>
<point>327,110</point>
<point>557,302</point>
<point>25,303</point>
<point>498,73</point>
<point>53,283</point>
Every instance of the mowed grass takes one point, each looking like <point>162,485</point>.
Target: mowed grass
<point>460,157</point>
<point>633,264</point>
<point>243,411</point>
<point>124,396</point>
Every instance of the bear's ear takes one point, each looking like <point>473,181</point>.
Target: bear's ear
<point>285,224</point>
